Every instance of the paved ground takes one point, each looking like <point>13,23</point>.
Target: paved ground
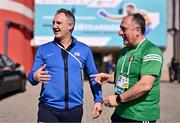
<point>22,107</point>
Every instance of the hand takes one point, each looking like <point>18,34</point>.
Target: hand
<point>101,78</point>
<point>41,75</point>
<point>110,101</point>
<point>97,110</point>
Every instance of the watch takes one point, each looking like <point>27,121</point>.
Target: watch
<point>118,99</point>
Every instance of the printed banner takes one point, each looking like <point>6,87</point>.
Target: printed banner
<point>98,21</point>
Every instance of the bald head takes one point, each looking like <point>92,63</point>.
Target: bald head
<point>127,19</point>
<point>136,20</point>
<point>132,29</point>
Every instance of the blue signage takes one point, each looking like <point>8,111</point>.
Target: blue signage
<point>97,21</point>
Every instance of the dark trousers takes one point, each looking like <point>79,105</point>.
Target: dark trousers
<point>117,119</point>
<point>49,114</point>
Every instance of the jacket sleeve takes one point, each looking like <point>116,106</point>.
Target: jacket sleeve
<point>38,62</point>
<point>91,69</point>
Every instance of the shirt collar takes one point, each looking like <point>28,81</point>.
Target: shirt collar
<point>134,46</point>
<point>70,46</point>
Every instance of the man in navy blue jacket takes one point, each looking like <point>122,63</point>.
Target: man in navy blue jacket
<point>59,67</point>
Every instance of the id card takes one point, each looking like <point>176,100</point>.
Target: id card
<point>121,84</point>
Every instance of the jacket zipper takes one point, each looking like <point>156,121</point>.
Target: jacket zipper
<point>66,83</point>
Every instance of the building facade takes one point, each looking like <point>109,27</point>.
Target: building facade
<point>16,30</point>
<point>173,36</point>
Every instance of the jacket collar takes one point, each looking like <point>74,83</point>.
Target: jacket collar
<point>70,46</point>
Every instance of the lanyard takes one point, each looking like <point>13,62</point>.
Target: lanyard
<point>131,58</point>
<point>82,72</point>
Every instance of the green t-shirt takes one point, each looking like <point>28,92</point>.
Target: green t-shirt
<point>147,61</point>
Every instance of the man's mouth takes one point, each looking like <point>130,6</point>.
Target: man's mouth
<point>56,30</point>
<point>124,38</point>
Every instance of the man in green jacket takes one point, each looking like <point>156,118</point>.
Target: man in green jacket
<point>137,75</point>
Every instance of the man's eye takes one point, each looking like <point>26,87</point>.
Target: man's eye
<point>58,23</point>
<point>123,29</point>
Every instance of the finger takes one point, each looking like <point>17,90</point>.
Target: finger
<point>44,79</point>
<point>104,75</point>
<point>104,81</point>
<point>94,110</point>
<point>94,75</point>
<point>45,76</point>
<point>102,102</point>
<point>98,81</point>
<point>109,104</point>
<point>106,98</point>
<point>105,102</point>
<point>44,72</point>
<point>97,114</point>
<point>45,82</point>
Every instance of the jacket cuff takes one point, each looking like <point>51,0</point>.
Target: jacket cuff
<point>99,100</point>
<point>32,80</point>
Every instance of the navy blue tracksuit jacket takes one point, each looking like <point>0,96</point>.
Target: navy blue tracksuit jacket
<point>65,88</point>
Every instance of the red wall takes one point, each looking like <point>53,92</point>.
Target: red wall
<point>19,48</point>
<point>1,34</point>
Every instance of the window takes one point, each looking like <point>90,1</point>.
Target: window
<point>1,62</point>
<point>7,61</point>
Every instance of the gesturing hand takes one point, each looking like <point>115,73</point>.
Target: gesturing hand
<point>97,110</point>
<point>101,78</point>
<point>110,101</point>
<point>41,75</point>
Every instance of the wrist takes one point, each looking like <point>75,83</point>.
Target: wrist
<point>111,77</point>
<point>118,99</point>
<point>34,77</point>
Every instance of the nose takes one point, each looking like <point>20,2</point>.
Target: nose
<point>54,25</point>
<point>120,32</point>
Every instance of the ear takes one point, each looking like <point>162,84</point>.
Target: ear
<point>70,26</point>
<point>138,29</point>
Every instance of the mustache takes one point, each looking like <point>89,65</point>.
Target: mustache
<point>124,38</point>
<point>56,30</point>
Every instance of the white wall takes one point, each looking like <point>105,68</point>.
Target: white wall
<point>168,53</point>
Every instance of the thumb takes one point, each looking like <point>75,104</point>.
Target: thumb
<point>94,110</point>
<point>43,67</point>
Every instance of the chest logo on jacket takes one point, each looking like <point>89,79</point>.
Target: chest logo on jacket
<point>77,53</point>
<point>48,55</point>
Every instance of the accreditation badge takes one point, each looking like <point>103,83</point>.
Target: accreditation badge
<point>121,84</point>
